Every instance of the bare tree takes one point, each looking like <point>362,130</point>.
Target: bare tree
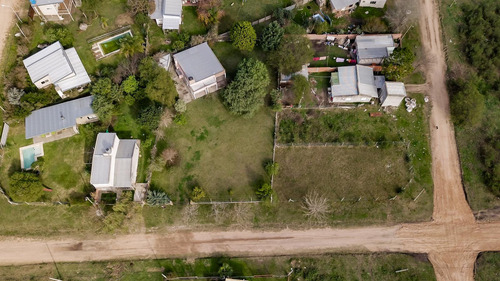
<point>316,206</point>
<point>166,118</point>
<point>190,214</point>
<point>242,214</point>
<point>219,211</point>
<point>170,155</point>
<point>402,13</point>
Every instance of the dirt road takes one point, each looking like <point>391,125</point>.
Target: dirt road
<point>453,239</point>
<point>6,21</point>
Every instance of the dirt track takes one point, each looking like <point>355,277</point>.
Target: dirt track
<point>6,20</point>
<point>453,239</point>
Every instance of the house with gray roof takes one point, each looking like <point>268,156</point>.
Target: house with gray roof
<point>373,49</point>
<point>54,10</point>
<point>352,84</point>
<point>55,119</point>
<point>200,69</point>
<point>392,93</point>
<point>114,163</point>
<point>55,66</point>
<point>168,14</point>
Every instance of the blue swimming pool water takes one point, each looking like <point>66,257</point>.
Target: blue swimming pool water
<point>28,157</point>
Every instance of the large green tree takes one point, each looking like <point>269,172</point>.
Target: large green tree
<point>131,45</point>
<point>107,96</point>
<point>245,95</point>
<point>25,186</point>
<point>243,36</point>
<point>157,83</point>
<point>293,52</point>
<point>271,36</point>
<point>399,64</point>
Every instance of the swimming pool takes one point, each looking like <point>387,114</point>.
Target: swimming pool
<point>29,154</point>
<point>113,44</point>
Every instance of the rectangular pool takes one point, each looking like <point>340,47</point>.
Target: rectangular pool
<point>113,44</point>
<point>29,154</point>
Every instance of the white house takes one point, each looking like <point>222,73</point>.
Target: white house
<point>372,3</point>
<point>392,94</point>
<point>339,6</point>
<point>168,14</point>
<point>373,49</point>
<point>353,84</point>
<point>54,10</point>
<point>114,163</point>
<point>200,69</point>
<point>54,65</point>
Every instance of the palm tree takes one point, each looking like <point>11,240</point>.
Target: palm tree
<point>131,45</point>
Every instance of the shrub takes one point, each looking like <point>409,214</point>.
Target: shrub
<point>210,11</point>
<point>25,186</point>
<point>243,36</point>
<point>399,64</point>
<point>14,96</point>
<point>59,33</point>
<point>197,194</point>
<point>157,83</point>
<point>283,16</point>
<point>157,198</point>
<point>180,106</point>
<point>264,192</point>
<point>130,85</point>
<point>149,117</point>
<point>272,169</point>
<point>180,119</point>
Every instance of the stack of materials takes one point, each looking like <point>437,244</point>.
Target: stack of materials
<point>410,104</point>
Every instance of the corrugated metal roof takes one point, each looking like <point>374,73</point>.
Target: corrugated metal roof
<point>45,2</point>
<point>80,78</point>
<point>51,61</point>
<point>199,62</point>
<point>158,12</point>
<point>341,4</point>
<point>57,117</point>
<point>171,22</point>
<point>374,46</point>
<point>106,162</point>
<point>354,80</point>
<point>396,89</point>
<point>5,132</point>
<point>123,172</point>
<point>172,8</point>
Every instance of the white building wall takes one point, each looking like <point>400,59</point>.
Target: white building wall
<point>49,10</point>
<point>372,3</point>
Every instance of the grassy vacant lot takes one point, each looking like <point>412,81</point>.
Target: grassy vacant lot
<point>373,173</point>
<point>222,153</point>
<point>230,57</point>
<point>338,173</point>
<point>243,10</point>
<point>327,267</point>
<point>487,266</point>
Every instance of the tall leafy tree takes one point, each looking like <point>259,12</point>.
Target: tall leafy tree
<point>467,106</point>
<point>25,186</point>
<point>271,36</point>
<point>293,52</point>
<point>107,96</point>
<point>157,83</point>
<point>243,36</point>
<point>399,64</point>
<point>245,95</point>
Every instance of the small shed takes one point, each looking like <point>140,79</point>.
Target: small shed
<point>392,94</point>
<point>5,132</point>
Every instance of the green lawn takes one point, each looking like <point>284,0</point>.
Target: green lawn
<point>243,10</point>
<point>487,266</point>
<point>325,267</point>
<point>230,57</point>
<point>190,22</point>
<point>222,153</point>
